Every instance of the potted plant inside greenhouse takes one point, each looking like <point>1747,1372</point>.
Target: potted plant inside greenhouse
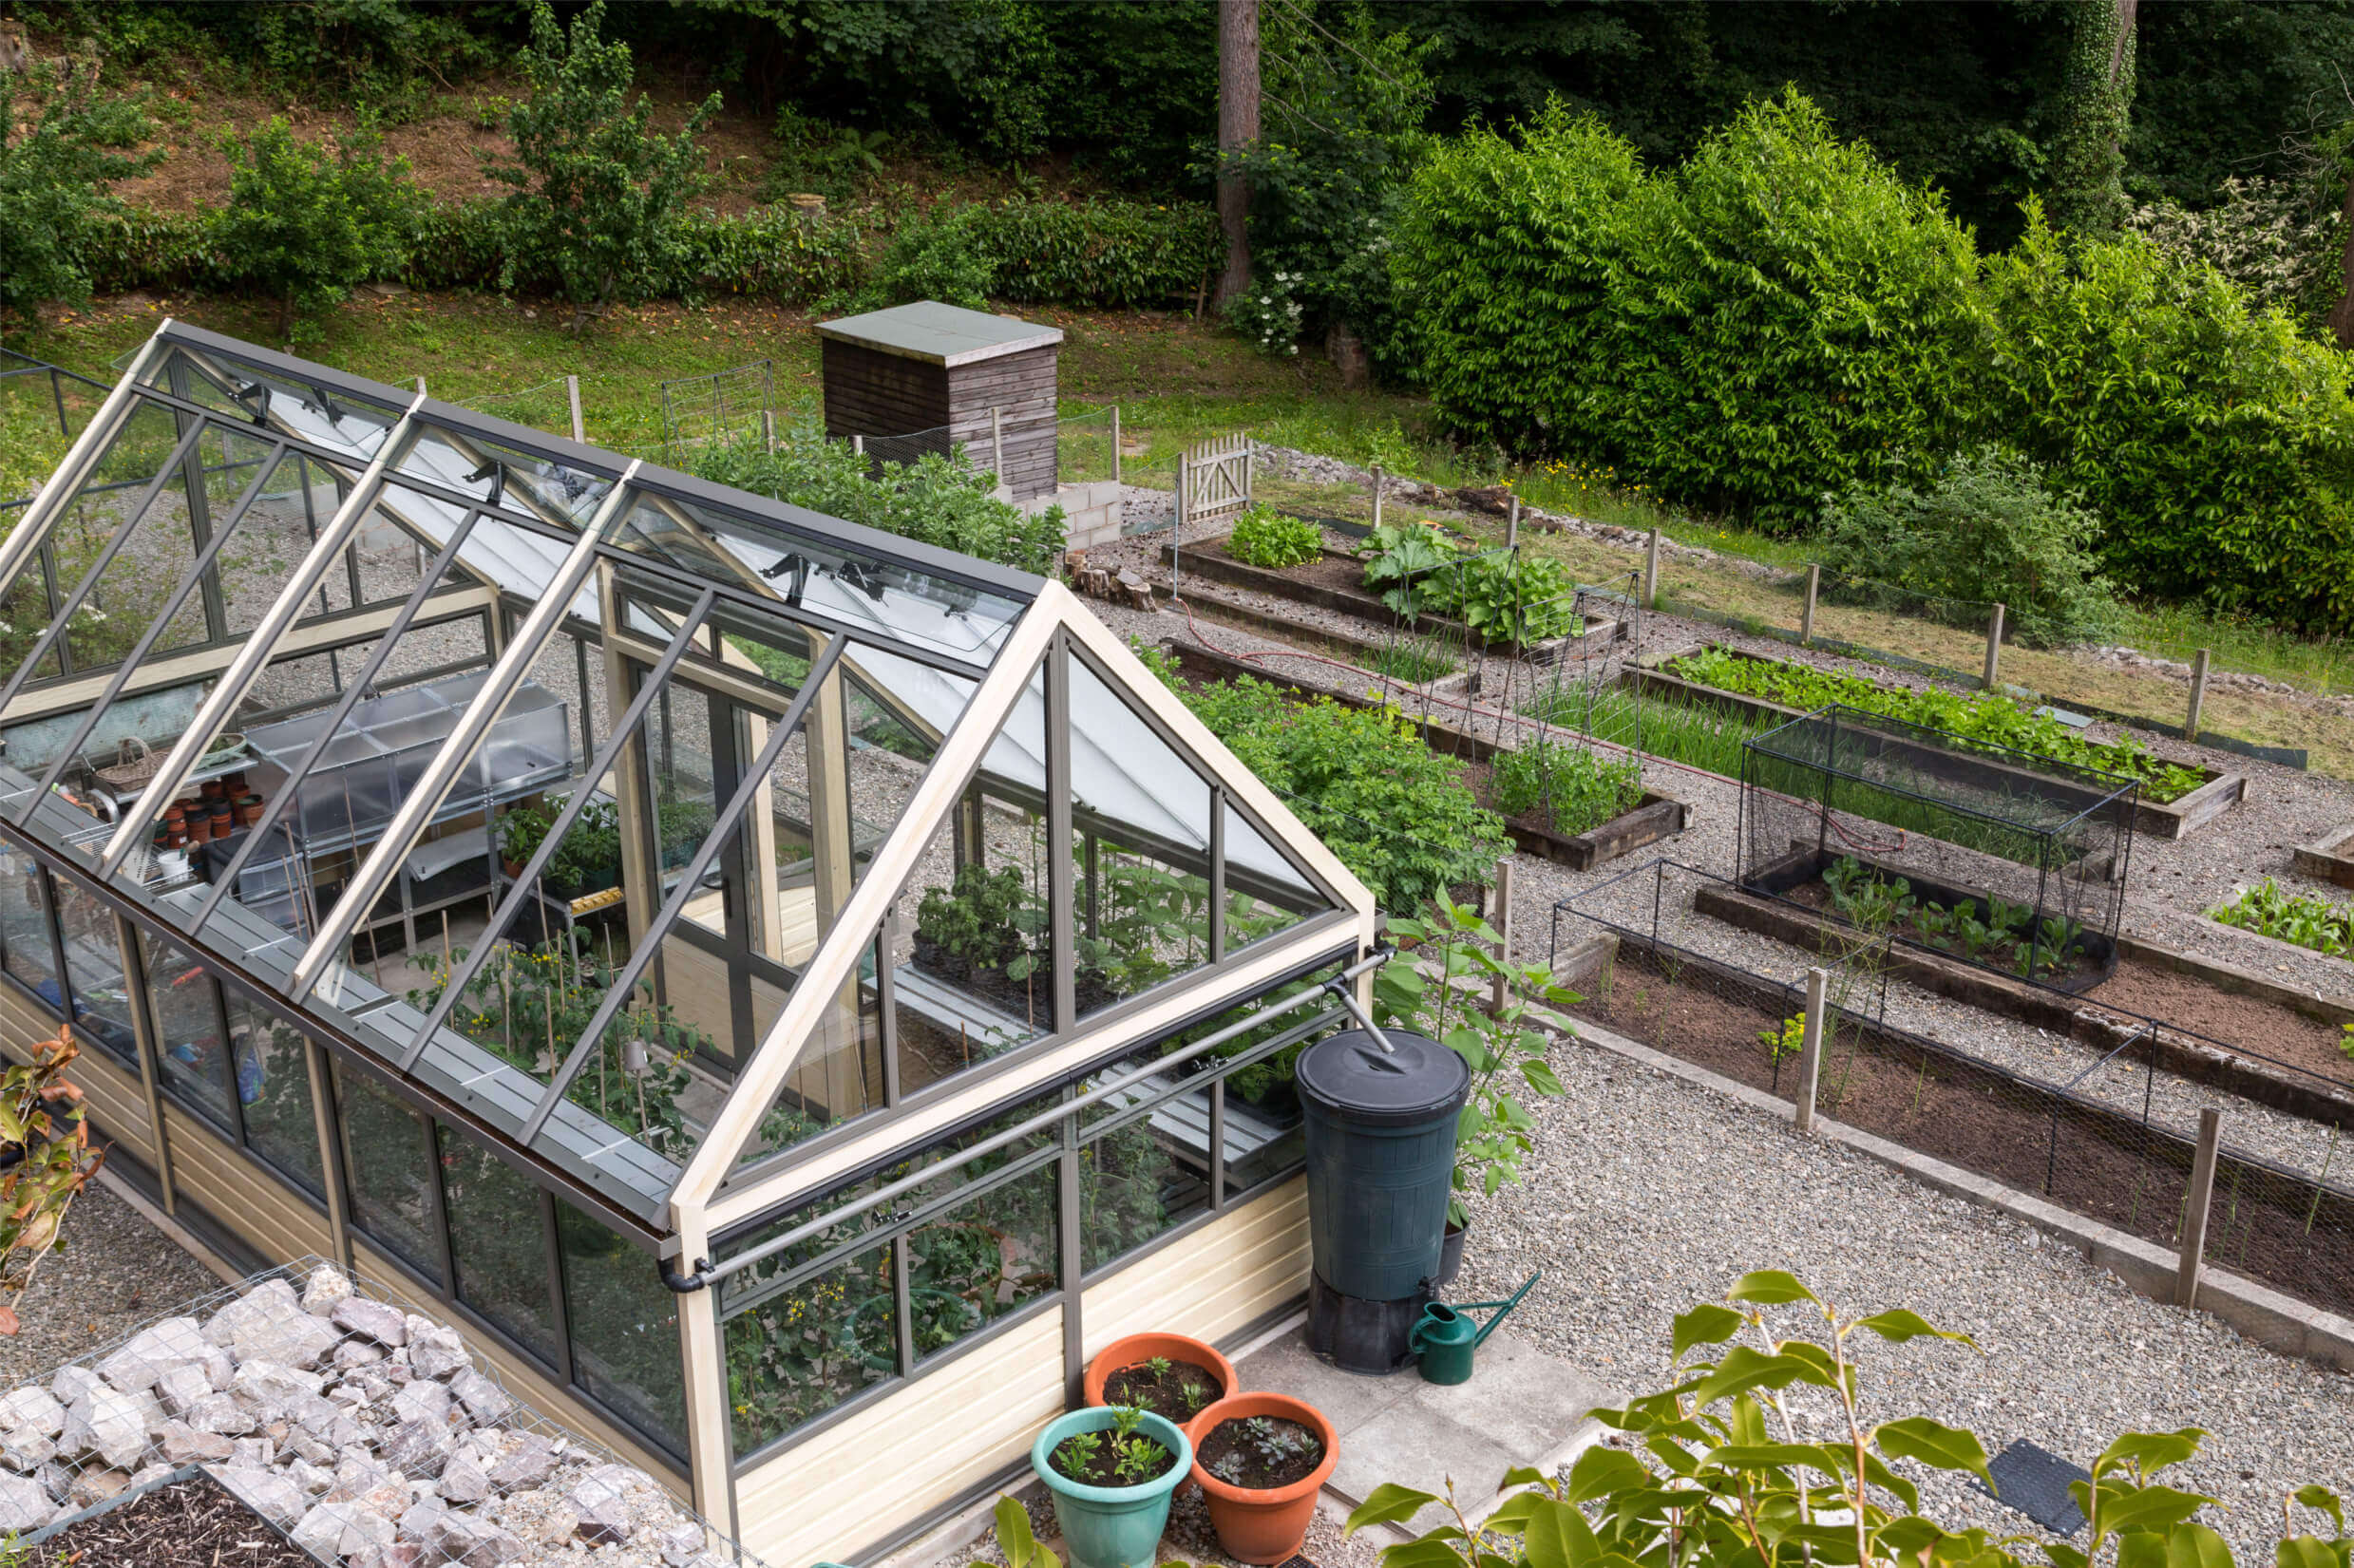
<point>1170,1374</point>
<point>1261,1459</point>
<point>1112,1470</point>
<point>1503,1051</point>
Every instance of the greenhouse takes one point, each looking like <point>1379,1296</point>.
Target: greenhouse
<point>794,991</point>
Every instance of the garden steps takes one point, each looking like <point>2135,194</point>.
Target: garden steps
<point>2168,820</point>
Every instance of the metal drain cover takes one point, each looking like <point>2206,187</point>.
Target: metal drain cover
<point>2034,1482</point>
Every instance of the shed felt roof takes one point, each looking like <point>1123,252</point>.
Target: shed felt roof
<point>940,334</point>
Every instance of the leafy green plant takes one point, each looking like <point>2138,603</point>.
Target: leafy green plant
<point>1575,785</point>
<point>1404,559</point>
<point>979,919</point>
<point>1980,526</point>
<point>598,194</point>
<point>2345,1043</point>
<point>1413,660</point>
<point>56,176</point>
<point>2307,920</point>
<point>1786,1041</point>
<point>1986,717</point>
<point>1077,1452</point>
<point>305,224</point>
<point>45,1160</point>
<point>1716,1473</point>
<point>1504,1048</point>
<point>522,828</point>
<point>1264,537</point>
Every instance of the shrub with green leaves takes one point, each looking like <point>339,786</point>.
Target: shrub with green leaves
<point>1980,527</point>
<point>2307,920</point>
<point>936,500</point>
<point>1575,787</point>
<point>1361,780</point>
<point>598,194</point>
<point>1264,536</point>
<point>56,175</point>
<point>304,223</point>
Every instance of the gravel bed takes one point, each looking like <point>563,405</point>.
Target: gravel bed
<point>113,1272</point>
<point>1631,1227</point>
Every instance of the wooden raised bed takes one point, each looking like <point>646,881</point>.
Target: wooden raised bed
<point>2330,859</point>
<point>1656,817</point>
<point>2074,1017</point>
<point>2169,819</point>
<point>1212,562</point>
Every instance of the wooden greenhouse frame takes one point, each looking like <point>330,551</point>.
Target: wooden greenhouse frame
<point>937,929</point>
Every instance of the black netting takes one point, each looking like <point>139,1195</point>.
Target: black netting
<point>1998,858</point>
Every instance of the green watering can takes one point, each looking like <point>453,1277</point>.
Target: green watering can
<point>1445,1338</point>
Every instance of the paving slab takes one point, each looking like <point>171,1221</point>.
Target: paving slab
<point>1522,1407</point>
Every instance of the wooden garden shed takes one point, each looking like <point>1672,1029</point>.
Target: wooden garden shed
<point>790,993</point>
<point>985,383</point>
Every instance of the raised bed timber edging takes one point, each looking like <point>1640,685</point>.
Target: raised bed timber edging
<point>2170,820</point>
<point>1210,607</point>
<point>1221,566</point>
<point>2051,1011</point>
<point>1656,817</point>
<point>2230,977</point>
<point>2330,859</point>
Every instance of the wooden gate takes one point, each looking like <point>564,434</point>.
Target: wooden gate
<point>1213,483</point>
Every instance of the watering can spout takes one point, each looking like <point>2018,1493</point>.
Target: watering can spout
<point>1445,1336</point>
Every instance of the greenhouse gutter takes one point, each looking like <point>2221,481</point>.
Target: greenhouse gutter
<point>707,1274</point>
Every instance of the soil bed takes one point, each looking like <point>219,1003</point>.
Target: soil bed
<point>1164,1393</point>
<point>1101,1468</point>
<point>1260,1453</point>
<point>190,1524</point>
<point>2251,1022</point>
<point>2076,1153</point>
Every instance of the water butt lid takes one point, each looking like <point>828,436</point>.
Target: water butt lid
<point>1351,1077</point>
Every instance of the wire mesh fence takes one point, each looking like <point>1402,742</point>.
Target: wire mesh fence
<point>913,446</point>
<point>546,407</point>
<point>730,404</point>
<point>319,1399</point>
<point>2113,1139</point>
<point>1084,445</point>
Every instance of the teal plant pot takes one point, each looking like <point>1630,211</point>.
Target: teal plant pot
<point>1111,1527</point>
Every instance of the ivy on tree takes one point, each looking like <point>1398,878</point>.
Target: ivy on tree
<point>597,195</point>
<point>307,224</point>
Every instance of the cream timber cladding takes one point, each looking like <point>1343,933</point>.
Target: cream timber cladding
<point>828,1499</point>
<point>118,1101</point>
<point>238,1195</point>
<point>1213,1282</point>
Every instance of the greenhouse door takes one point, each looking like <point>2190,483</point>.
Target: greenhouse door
<point>726,965</point>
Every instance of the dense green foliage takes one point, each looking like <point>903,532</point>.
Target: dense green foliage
<point>936,501</point>
<point>597,192</point>
<point>2087,176</point>
<point>1979,528</point>
<point>2214,439</point>
<point>1116,255</point>
<point>1396,813</point>
<point>1575,787</point>
<point>1986,717</point>
<point>2305,918</point>
<point>305,223</point>
<point>1709,1472</point>
<point>55,171</point>
<point>1264,536</point>
<point>1504,596</point>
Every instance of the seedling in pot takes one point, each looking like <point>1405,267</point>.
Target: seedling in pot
<point>1078,1451</point>
<point>1125,1419</point>
<point>1158,1367</point>
<point>1195,1396</point>
<point>1140,1459</point>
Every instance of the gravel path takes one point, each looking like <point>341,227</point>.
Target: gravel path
<point>114,1271</point>
<point>1645,1194</point>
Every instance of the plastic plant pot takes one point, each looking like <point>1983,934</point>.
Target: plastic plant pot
<point>1111,1526</point>
<point>1137,1349</point>
<point>1269,1525</point>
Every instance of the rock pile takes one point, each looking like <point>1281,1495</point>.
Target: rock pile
<point>365,1432</point>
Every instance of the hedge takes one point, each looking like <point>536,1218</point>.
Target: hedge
<point>1099,255</point>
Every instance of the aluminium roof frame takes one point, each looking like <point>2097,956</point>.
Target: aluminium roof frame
<point>1048,629</point>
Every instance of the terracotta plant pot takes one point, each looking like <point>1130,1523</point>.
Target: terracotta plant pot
<point>1270,1525</point>
<point>1138,1348</point>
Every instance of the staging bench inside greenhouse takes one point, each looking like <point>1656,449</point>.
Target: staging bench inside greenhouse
<point>888,1081</point>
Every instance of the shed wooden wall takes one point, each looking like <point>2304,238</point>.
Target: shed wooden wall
<point>871,393</point>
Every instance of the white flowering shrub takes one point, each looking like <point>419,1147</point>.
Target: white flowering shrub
<point>2271,237</point>
<point>1269,312</point>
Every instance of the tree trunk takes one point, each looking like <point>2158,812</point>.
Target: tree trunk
<point>2085,185</point>
<point>1238,126</point>
<point>2342,314</point>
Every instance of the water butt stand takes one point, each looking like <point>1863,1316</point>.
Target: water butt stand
<point>1381,1110</point>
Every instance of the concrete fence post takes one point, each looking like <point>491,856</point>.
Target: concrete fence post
<point>2198,695</point>
<point>572,395</point>
<point>2201,1194</point>
<point>1115,443</point>
<point>1806,616</point>
<point>1377,494</point>
<point>1500,991</point>
<point>858,444</point>
<point>1994,648</point>
<point>1651,572</point>
<point>1512,525</point>
<point>1810,1048</point>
